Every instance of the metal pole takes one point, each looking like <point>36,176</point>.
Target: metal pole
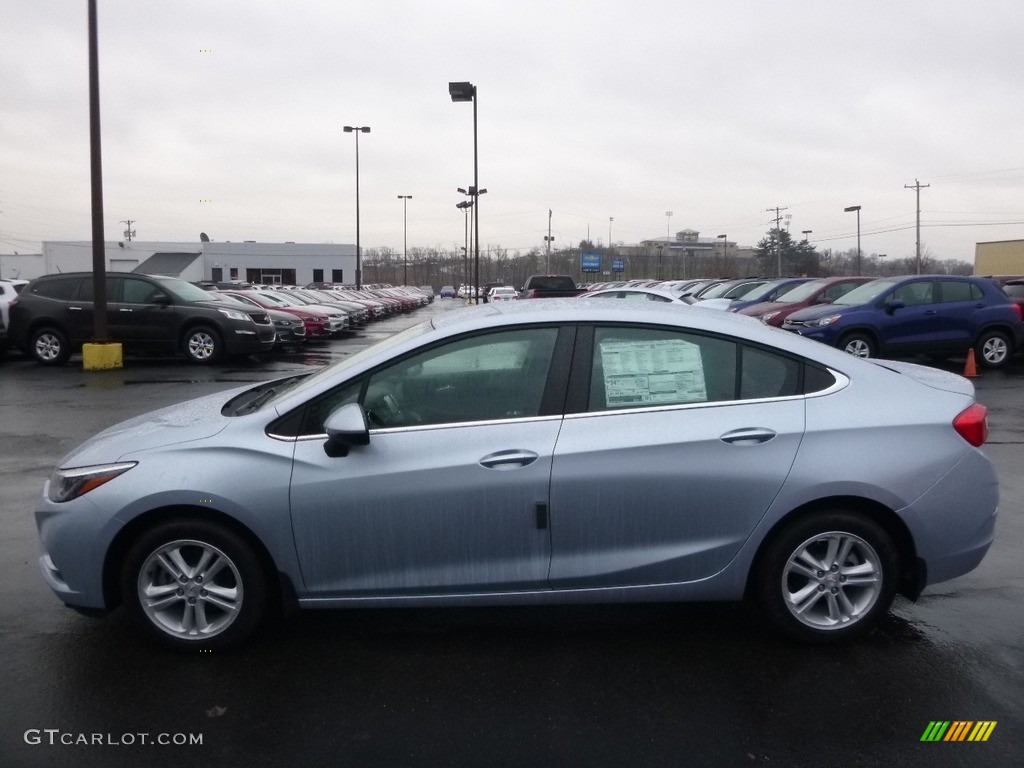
<point>99,262</point>
<point>476,206</point>
<point>405,238</point>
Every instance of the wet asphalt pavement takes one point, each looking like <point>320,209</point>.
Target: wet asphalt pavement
<point>654,685</point>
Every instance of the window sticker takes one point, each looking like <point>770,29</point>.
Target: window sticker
<point>653,372</point>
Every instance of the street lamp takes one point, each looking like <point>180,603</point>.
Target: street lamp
<point>668,225</point>
<point>725,246</point>
<point>405,237</point>
<point>851,209</point>
<point>610,220</point>
<point>465,91</point>
<point>805,233</point>
<point>881,262</point>
<point>359,255</point>
<point>464,206</point>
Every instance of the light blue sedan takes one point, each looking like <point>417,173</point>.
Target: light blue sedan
<point>535,452</point>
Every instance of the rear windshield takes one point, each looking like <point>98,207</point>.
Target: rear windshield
<point>62,288</point>
<point>552,283</point>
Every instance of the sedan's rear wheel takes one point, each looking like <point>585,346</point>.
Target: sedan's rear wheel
<point>858,345</point>
<point>993,349</point>
<point>194,585</point>
<point>828,577</point>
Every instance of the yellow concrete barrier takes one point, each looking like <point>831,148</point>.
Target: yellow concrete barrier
<point>102,357</point>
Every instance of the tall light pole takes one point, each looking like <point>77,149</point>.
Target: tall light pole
<point>725,246</point>
<point>405,237</point>
<point>668,225</point>
<point>881,263</point>
<point>610,220</point>
<point>359,255</point>
<point>464,206</point>
<point>465,91</point>
<point>805,233</point>
<point>851,209</point>
<point>548,239</point>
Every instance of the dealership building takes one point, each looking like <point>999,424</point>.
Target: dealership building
<point>249,261</point>
<point>1002,257</point>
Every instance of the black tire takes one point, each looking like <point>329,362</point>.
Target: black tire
<point>859,345</point>
<point>993,349</point>
<point>48,346</point>
<point>840,599</point>
<point>193,585</point>
<point>203,345</point>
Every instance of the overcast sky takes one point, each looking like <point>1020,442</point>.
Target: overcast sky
<point>225,116</point>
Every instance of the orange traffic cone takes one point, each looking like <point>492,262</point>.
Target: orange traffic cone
<point>970,368</point>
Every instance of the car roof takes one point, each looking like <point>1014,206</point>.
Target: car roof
<point>584,310</point>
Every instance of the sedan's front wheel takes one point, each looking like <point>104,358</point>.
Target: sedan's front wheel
<point>828,577</point>
<point>194,585</point>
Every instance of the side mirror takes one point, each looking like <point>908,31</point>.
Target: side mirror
<point>162,300</point>
<point>346,427</point>
<point>824,300</point>
<point>892,306</point>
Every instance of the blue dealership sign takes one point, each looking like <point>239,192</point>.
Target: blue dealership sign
<point>590,262</point>
<point>618,265</point>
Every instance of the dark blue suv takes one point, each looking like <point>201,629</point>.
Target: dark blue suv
<point>937,315</point>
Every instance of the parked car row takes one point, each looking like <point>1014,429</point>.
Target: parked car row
<point>935,315</point>
<point>54,315</point>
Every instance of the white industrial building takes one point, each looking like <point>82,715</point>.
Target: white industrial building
<point>249,261</point>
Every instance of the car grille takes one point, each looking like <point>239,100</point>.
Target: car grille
<point>260,318</point>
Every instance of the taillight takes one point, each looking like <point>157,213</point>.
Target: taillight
<point>972,425</point>
<point>1020,311</point>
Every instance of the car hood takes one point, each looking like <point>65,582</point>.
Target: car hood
<point>823,310</point>
<point>930,377</point>
<point>192,420</point>
<point>761,307</point>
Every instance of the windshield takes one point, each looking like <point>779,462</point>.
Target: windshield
<point>865,294</point>
<point>801,292</point>
<point>715,291</point>
<point>334,371</point>
<point>182,289</point>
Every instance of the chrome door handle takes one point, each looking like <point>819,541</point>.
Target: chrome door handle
<point>125,309</point>
<point>749,436</point>
<point>508,459</point>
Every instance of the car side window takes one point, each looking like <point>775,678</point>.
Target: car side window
<point>85,292</point>
<point>960,290</point>
<point>138,291</point>
<point>645,367</point>
<point>916,293</point>
<point>766,374</point>
<point>484,377</point>
<point>62,288</point>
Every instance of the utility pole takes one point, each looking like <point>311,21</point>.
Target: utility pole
<point>778,235</point>
<point>547,241</point>
<point>917,187</point>
<point>129,233</point>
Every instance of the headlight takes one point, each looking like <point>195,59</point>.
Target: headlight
<point>68,484</point>
<point>768,316</point>
<point>828,320</point>
<point>234,314</point>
